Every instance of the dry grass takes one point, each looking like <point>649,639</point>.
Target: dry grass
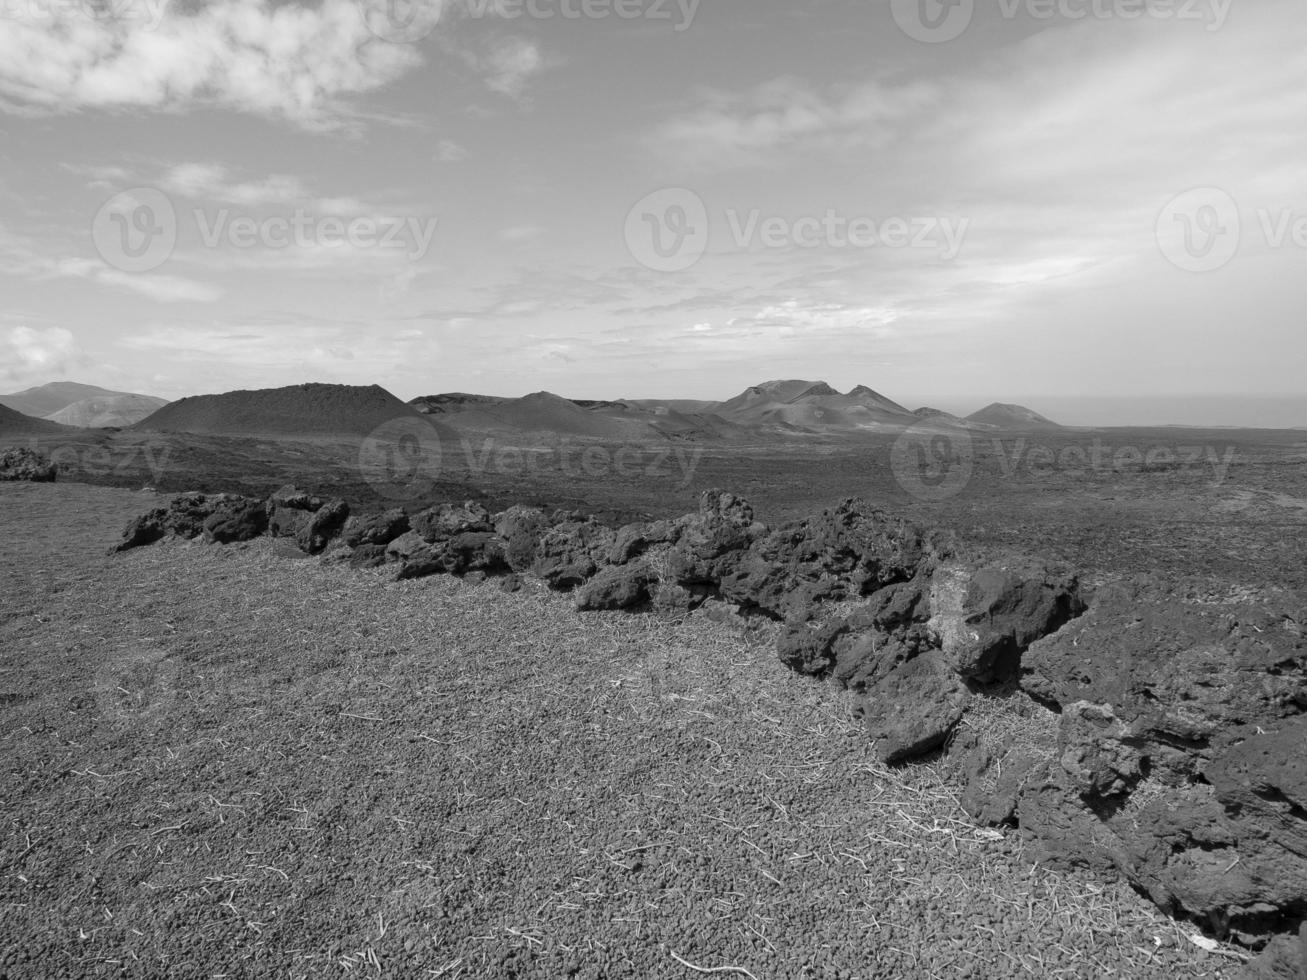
<point>241,764</point>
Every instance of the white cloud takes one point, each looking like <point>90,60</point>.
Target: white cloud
<point>289,60</point>
<point>450,152</point>
<point>27,353</point>
<point>508,64</point>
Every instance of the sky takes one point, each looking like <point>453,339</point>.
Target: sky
<point>1094,207</point>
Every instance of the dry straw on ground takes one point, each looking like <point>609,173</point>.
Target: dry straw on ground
<point>333,774</point>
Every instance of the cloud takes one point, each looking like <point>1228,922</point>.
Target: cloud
<point>507,64</point>
<point>288,60</point>
<point>450,152</point>
<point>26,353</point>
<point>20,256</point>
<point>209,181</point>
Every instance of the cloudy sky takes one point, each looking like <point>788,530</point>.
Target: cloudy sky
<point>1096,207</point>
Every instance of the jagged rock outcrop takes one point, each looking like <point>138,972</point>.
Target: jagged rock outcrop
<point>1180,759</point>
<point>223,518</point>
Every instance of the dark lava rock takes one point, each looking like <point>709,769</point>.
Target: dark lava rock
<point>461,554</point>
<point>447,520</point>
<point>290,511</point>
<point>844,553</point>
<point>1284,958</point>
<point>219,517</point>
<point>236,519</point>
<point>521,528</point>
<point>889,629</point>
<point>712,543</point>
<point>375,529</point>
<point>27,464</point>
<point>1186,676</point>
<point>913,708</point>
<point>992,776</point>
<point>143,530</point>
<point>634,540</point>
<point>404,546</point>
<point>322,527</point>
<point>1180,754</point>
<point>569,554</point>
<point>617,587</point>
<point>986,615</point>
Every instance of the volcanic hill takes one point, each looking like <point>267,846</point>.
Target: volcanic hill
<point>314,410</point>
<point>1002,416</point>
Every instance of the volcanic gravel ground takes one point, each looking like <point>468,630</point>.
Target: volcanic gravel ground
<point>221,762</point>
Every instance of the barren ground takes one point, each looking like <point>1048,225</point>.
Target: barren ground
<point>224,762</point>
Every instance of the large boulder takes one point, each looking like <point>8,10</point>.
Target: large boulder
<point>913,707</point>
<point>1179,759</point>
<point>460,554</point>
<point>235,519</point>
<point>843,553</point>
<point>447,520</point>
<point>521,529</point>
<point>290,511</point>
<point>217,517</point>
<point>569,553</point>
<point>375,529</point>
<point>322,527</point>
<point>985,615</point>
<point>711,544</point>
<point>633,540</point>
<point>1186,676</point>
<point>616,587</point>
<point>27,464</point>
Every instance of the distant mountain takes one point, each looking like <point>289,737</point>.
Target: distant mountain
<point>300,410</point>
<point>814,406</point>
<point>1002,416</point>
<point>17,424</point>
<point>107,411</point>
<point>47,399</point>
